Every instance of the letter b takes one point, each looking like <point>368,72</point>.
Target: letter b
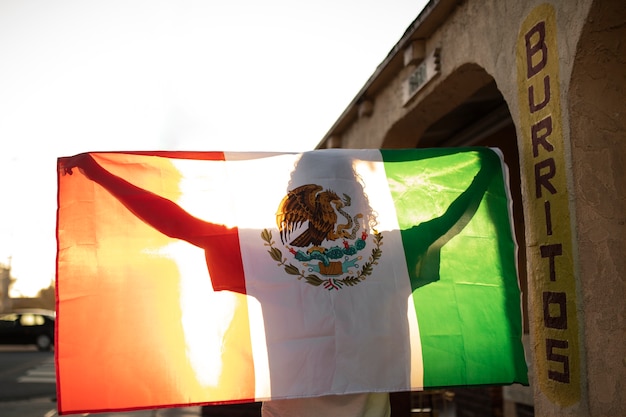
<point>539,46</point>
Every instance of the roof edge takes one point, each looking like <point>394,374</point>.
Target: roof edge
<point>427,21</point>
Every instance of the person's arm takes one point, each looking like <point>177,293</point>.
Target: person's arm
<point>429,237</point>
<point>161,213</point>
<point>220,243</point>
<point>463,208</point>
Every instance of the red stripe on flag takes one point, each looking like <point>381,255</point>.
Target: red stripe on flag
<point>220,243</point>
<point>197,155</point>
<point>204,156</point>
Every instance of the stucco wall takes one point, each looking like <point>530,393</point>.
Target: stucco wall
<point>597,100</point>
<point>477,32</point>
<point>478,40</point>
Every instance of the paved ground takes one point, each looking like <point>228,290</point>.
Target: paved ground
<point>36,398</point>
<point>44,407</point>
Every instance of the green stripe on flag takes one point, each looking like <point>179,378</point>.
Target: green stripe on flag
<point>452,209</point>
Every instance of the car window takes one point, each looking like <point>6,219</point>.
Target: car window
<point>9,317</point>
<point>31,320</point>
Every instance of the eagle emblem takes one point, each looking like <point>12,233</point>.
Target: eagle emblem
<point>321,236</point>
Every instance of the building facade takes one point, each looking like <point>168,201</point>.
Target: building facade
<point>544,81</point>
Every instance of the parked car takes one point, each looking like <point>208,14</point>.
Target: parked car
<point>28,327</point>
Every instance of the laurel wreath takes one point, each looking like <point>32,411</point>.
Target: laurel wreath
<point>329,283</point>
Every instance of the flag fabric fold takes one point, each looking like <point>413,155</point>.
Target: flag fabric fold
<point>208,277</point>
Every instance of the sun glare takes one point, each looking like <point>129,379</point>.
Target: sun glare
<point>79,77</point>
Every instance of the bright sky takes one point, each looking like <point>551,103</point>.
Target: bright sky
<point>83,75</point>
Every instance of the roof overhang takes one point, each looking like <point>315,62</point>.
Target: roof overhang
<point>425,24</point>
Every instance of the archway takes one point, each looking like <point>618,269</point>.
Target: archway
<point>468,109</point>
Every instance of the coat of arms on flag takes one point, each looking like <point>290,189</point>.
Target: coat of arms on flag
<point>210,277</point>
<point>323,212</point>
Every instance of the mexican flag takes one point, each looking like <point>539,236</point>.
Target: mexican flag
<point>187,278</point>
